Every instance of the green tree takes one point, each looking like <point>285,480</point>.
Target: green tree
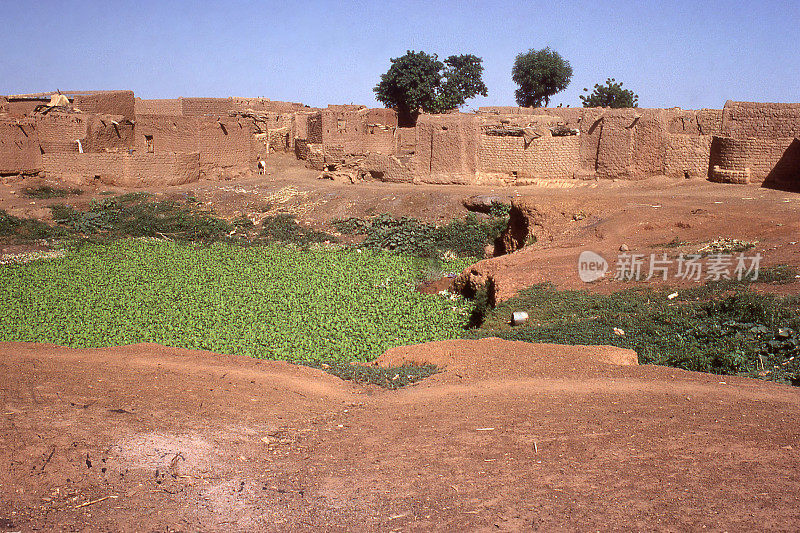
<point>540,74</point>
<point>419,81</point>
<point>610,95</point>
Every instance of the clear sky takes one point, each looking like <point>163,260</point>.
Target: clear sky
<point>689,54</point>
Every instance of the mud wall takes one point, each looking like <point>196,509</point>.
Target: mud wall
<point>109,134</point>
<point>19,147</point>
<point>198,107</point>
<point>544,157</point>
<point>107,103</point>
<point>123,169</point>
<point>170,107</point>
<point>687,156</point>
<point>58,132</point>
<point>162,133</point>
<point>447,149</point>
<point>754,119</point>
<point>759,155</point>
<point>226,147</point>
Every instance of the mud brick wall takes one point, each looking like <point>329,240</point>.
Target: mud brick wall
<point>710,121</point>
<point>107,103</point>
<point>751,119</point>
<point>20,108</point>
<point>59,131</point>
<point>226,143</point>
<point>447,148</point>
<point>359,131</point>
<point>314,128</point>
<point>760,155</point>
<point>545,157</point>
<point>786,172</point>
<point>198,107</point>
<point>123,169</point>
<point>169,133</point>
<point>265,105</point>
<point>687,156</point>
<point>171,107</point>
<point>19,147</point>
<point>104,136</point>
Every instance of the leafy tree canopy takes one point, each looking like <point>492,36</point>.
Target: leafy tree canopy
<point>540,74</point>
<point>610,95</point>
<point>419,80</point>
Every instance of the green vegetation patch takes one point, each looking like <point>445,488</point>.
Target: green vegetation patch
<point>722,328</point>
<point>387,377</point>
<point>46,192</point>
<point>137,215</point>
<point>461,238</point>
<point>276,302</point>
<point>18,229</point>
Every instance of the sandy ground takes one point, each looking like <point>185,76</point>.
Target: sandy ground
<point>509,437</point>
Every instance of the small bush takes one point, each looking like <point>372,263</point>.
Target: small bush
<point>26,229</point>
<point>284,228</point>
<point>134,215</point>
<point>46,192</point>
<point>722,328</point>
<point>388,378</point>
<point>463,238</point>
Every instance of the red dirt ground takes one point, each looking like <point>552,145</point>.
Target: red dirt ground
<point>510,436</point>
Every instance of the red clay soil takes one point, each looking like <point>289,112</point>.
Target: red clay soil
<point>510,436</point>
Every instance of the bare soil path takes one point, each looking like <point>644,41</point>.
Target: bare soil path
<point>509,436</point>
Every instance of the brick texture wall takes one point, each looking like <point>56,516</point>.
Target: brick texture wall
<point>759,155</point>
<point>198,107</point>
<point>168,133</point>
<point>687,156</point>
<point>751,119</point>
<point>447,148</point>
<point>171,107</point>
<point>545,157</point>
<point>123,169</point>
<point>225,144</point>
<point>107,103</point>
<point>19,147</point>
<point>59,131</point>
<point>103,135</point>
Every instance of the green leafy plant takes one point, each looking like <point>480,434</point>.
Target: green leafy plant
<point>275,301</point>
<point>722,328</point>
<point>136,215</point>
<point>540,74</point>
<point>284,228</point>
<point>18,229</point>
<point>610,95</point>
<point>46,192</point>
<point>419,80</point>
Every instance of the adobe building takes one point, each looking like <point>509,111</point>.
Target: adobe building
<point>112,137</point>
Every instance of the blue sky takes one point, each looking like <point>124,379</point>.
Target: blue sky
<point>689,54</point>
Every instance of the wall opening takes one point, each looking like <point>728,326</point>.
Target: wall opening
<point>148,141</point>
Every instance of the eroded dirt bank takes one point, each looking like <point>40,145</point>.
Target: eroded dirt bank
<point>509,436</point>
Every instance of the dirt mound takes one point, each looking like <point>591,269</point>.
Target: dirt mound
<point>508,437</point>
<point>479,359</point>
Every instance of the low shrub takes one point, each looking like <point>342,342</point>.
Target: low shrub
<point>46,192</point>
<point>284,228</point>
<point>18,229</point>
<point>722,328</point>
<point>463,238</point>
<point>136,215</point>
